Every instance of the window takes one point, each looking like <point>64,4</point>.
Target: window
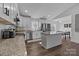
<point>66,25</point>
<point>45,27</point>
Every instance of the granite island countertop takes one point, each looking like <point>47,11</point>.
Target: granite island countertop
<point>13,46</point>
<point>50,33</point>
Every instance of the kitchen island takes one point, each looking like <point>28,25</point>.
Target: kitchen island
<point>51,39</point>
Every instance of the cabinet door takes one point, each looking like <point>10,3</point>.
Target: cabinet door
<point>77,23</point>
<point>48,27</point>
<point>36,34</point>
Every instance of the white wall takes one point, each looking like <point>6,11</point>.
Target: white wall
<point>60,23</point>
<point>25,22</point>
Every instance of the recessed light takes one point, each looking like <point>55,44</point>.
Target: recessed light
<point>60,21</point>
<point>26,10</point>
<point>48,15</point>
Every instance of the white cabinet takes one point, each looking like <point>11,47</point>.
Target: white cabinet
<point>33,35</point>
<point>36,34</point>
<point>12,11</point>
<point>51,40</point>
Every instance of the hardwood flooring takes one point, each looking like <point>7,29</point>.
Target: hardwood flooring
<point>67,48</point>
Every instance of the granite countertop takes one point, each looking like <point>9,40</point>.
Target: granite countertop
<point>50,33</point>
<point>13,46</point>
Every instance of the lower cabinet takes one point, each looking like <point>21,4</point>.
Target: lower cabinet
<point>29,35</point>
<point>36,34</point>
<point>33,35</point>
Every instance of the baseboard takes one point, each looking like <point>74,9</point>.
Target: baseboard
<point>34,40</point>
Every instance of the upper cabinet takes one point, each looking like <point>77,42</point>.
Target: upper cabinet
<point>8,11</point>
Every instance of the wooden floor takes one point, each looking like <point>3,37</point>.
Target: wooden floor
<point>67,48</point>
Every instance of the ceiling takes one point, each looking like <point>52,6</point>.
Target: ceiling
<point>70,11</point>
<point>38,10</point>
